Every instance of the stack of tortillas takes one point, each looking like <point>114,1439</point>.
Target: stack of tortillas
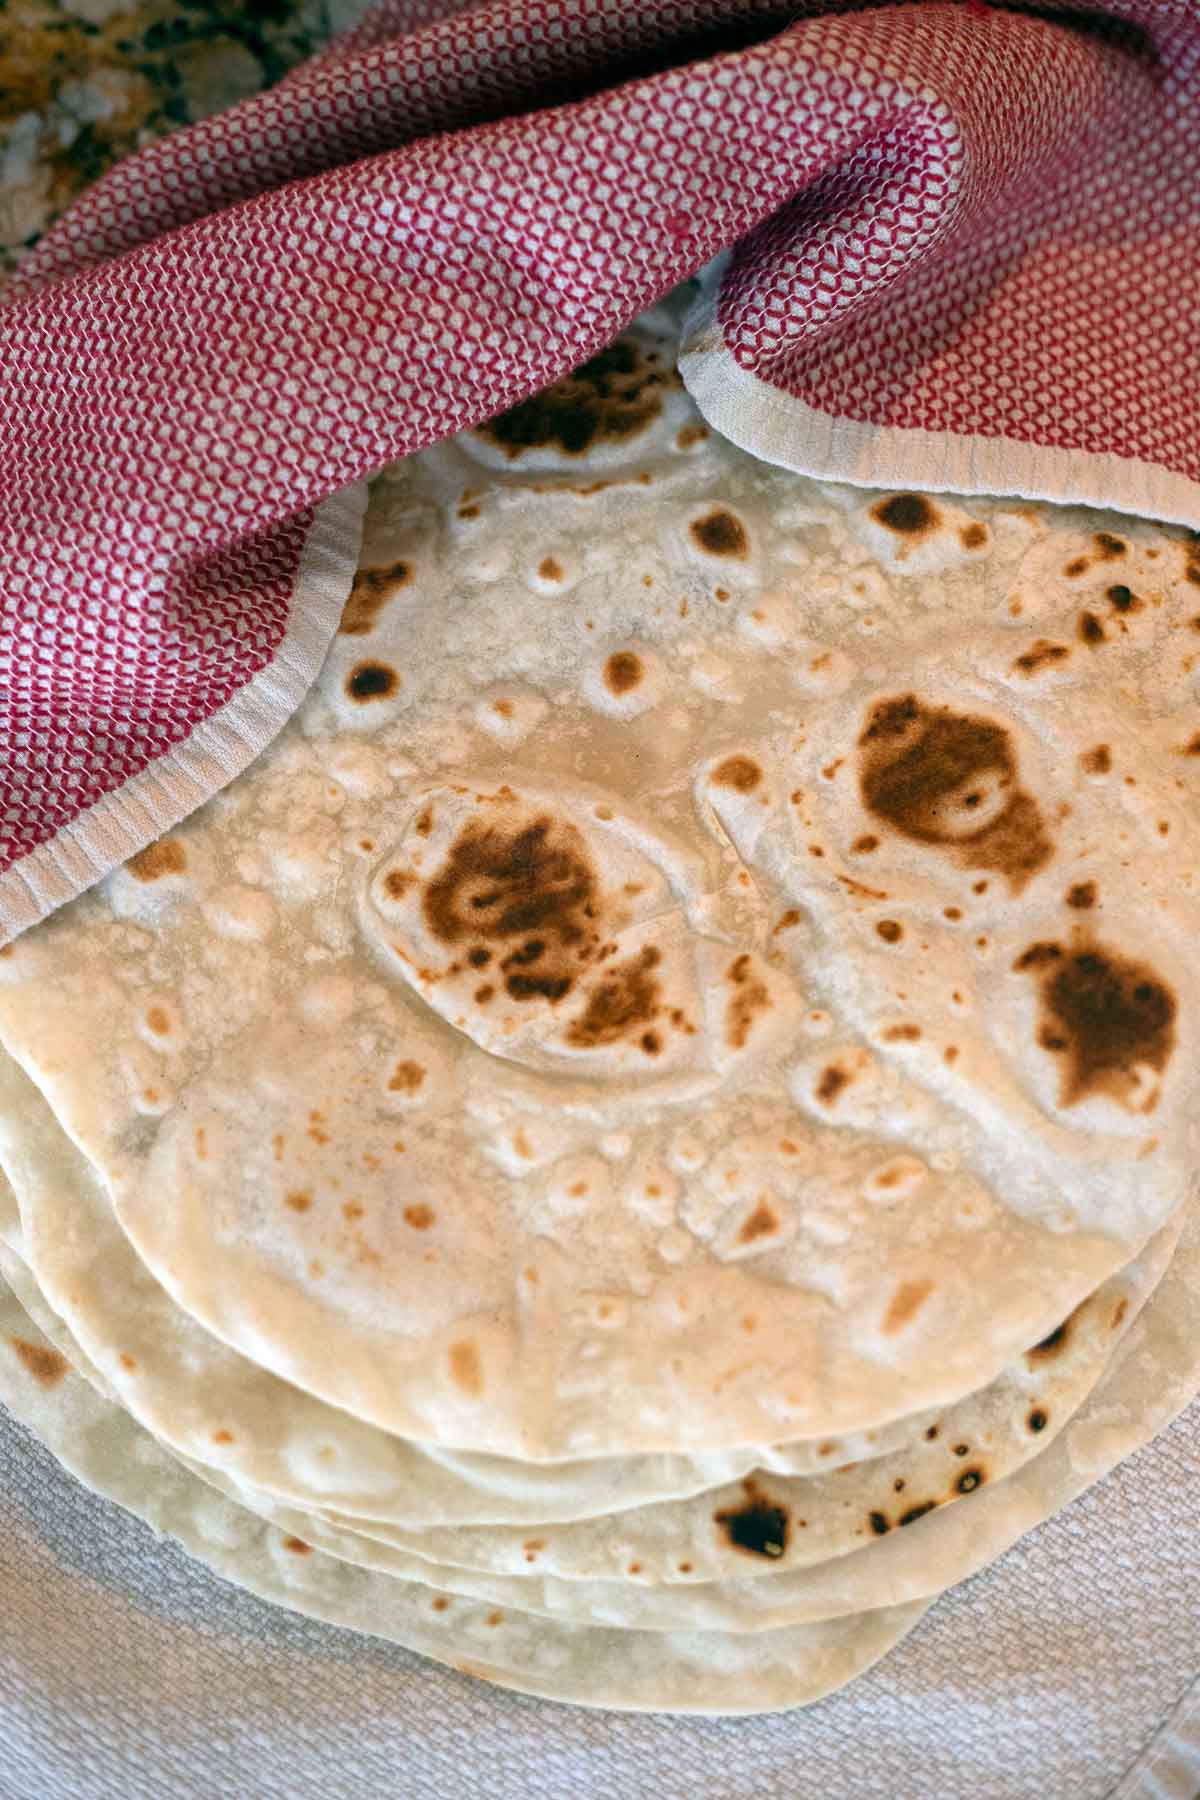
<point>654,1130</point>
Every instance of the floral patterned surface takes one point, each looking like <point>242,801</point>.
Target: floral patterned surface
<point>84,82</point>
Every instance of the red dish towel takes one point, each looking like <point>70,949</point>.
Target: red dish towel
<point>963,251</point>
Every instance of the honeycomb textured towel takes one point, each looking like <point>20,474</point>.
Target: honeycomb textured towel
<point>948,244</point>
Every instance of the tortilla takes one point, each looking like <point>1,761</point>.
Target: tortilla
<point>766,1525</point>
<point>1155,1373</point>
<point>209,1404</point>
<point>680,983</point>
<point>641,1671</point>
<point>720,1540</point>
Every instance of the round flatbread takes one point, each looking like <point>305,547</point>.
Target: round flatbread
<point>708,965</point>
<point>209,1404</point>
<point>699,1672</point>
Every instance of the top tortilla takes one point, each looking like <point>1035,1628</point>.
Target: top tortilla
<point>707,965</point>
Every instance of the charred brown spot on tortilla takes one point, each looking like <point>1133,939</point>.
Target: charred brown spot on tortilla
<point>1042,654</point>
<point>550,569</point>
<point>926,770</point>
<point>479,957</point>
<point>916,1512</point>
<point>299,1200</point>
<point>1107,1015</point>
<point>973,537</point>
<point>863,846</point>
<point>406,1078</point>
<point>46,1366</point>
<point>721,533</point>
<point>466,1370</point>
<point>879,1523</point>
<point>353,1209</point>
<point>832,1081</point>
<point>222,1436</point>
<point>1097,761</point>
<point>622,672</point>
<point>1081,895</point>
<point>904,1305</point>
<point>372,590</point>
<point>909,515</point>
<point>749,998</point>
<point>397,883</point>
<point>1091,631</point>
<point>419,1216</point>
<point>1079,565</point>
<point>890,930</point>
<point>159,1021</point>
<point>297,1546</point>
<point>371,681</point>
<point>533,882</point>
<point>1123,599</point>
<point>687,435</point>
<point>1108,547</point>
<point>900,1034</point>
<point>760,1527</point>
<point>1036,1419</point>
<point>931,1432</point>
<point>1057,1340</point>
<point>969,1480</point>
<point>440,1603</point>
<point>612,396</point>
<point>627,997</point>
<point>741,773</point>
<point>166,857</point>
<point>786,920</point>
<point>762,1222</point>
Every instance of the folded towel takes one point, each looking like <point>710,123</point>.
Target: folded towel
<point>944,246</point>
